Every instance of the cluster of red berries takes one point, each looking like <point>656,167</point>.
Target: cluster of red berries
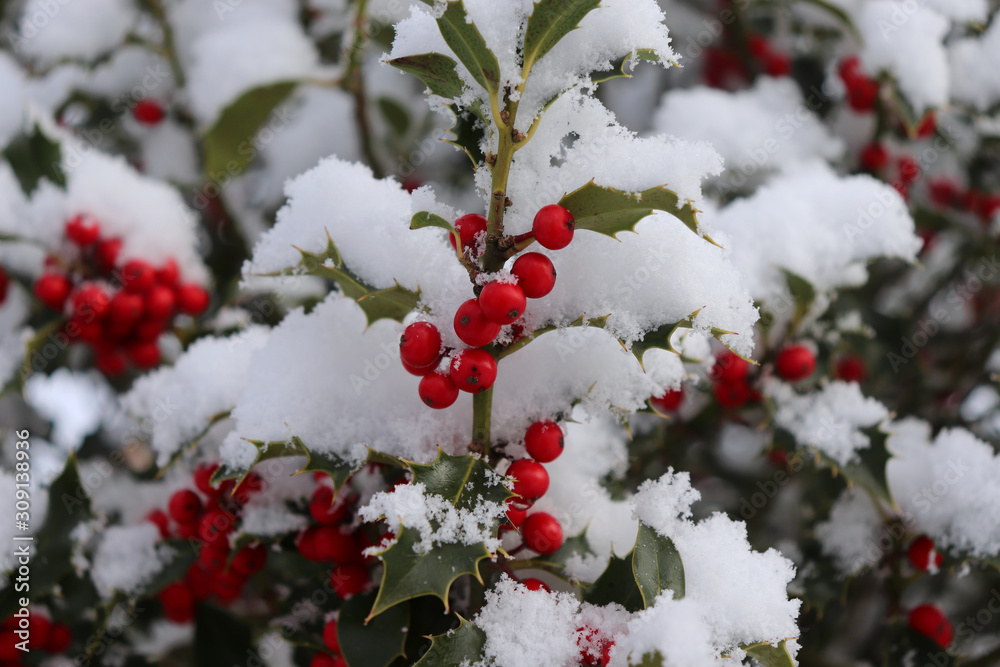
<point>724,68</point>
<point>945,193</point>
<point>730,374</point>
<point>862,90</point>
<point>540,531</point>
<point>876,159</point>
<point>770,60</point>
<point>332,643</point>
<point>42,635</point>
<point>478,321</point>
<point>208,519</point>
<point>595,647</point>
<point>119,309</point>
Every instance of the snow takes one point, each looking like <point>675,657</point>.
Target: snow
<point>851,535</point>
<point>830,420</point>
<point>947,486</point>
<point>974,78</point>
<point>82,29</point>
<point>270,520</point>
<point>776,129</point>
<point>981,402</point>
<point>677,629</point>
<point>207,380</point>
<point>435,518</point>
<point>75,403</point>
<point>12,106</point>
<point>127,559</point>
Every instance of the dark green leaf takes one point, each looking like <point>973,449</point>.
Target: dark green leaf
<point>372,643</point>
<point>659,338</point>
<point>393,303</point>
<point>771,656</point>
<point>228,145</point>
<point>550,21</point>
<point>838,12</point>
<point>609,211</point>
<point>468,134</point>
<point>617,70</point>
<point>395,114</point>
<point>184,556</point>
<point>656,565</point>
<point>34,157</point>
<point>469,46</point>
<point>803,293</point>
<point>617,584</point>
<point>465,482</point>
<point>464,645</point>
<point>436,70</point>
<point>335,467</point>
<point>654,659</point>
<point>220,639</point>
<point>869,470</point>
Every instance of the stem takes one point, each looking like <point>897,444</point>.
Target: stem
<point>354,83</point>
<point>482,415</point>
<point>169,49</point>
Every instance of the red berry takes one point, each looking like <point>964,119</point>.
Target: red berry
<point>184,506</point>
<point>330,636</point>
<point>516,516</point>
<point>144,354</point>
<point>250,560</point>
<point>420,345</point>
<point>52,289</point>
<point>533,584</point>
<point>110,361</point>
<point>850,69</point>
<point>124,310</point>
<point>322,660</point>
<point>758,45</point>
<point>988,207</point>
<point>8,646</point>
<point>851,368</point>
<point>178,603</point>
<point>542,533</point>
<point>334,545</point>
<point>502,303</point>
<point>732,394</point>
<point>248,487</point>
<point>927,126</point>
<point>795,363</point>
<point>137,276</point>
<point>90,302</point>
<point>862,94</point>
<point>160,302</point>
<point>168,274</point>
<point>777,64</point>
<point>160,519</point>
<point>729,367</point>
<point>39,627</point>
<point>82,230</point>
<point>468,227</point>
<point>214,557</point>
<point>473,370</point>
<point>227,586</point>
<point>306,544</point>
<point>215,526</point>
<point>4,285</point>
<point>149,330</point>
<point>349,579</point>
<point>437,391</point>
<point>553,227</point>
<point>536,276</point>
<point>199,581</point>
<point>531,479</point>
<point>106,254</point>
<point>943,192</point>
<point>931,622</point>
<point>874,157</point>
<point>148,112</point>
<point>472,325</point>
<point>544,441</point>
<point>203,478</point>
<point>192,299</point>
<point>323,508</point>
<point>909,169</point>
<point>671,399</point>
<point>59,640</point>
<point>921,552</point>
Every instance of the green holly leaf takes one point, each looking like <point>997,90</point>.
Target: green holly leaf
<point>395,115</point>
<point>654,659</point>
<point>173,571</point>
<point>436,70</point>
<point>426,219</point>
<point>616,584</point>
<point>220,638</point>
<point>227,146</point>
<point>465,482</point>
<point>657,565</point>
<point>610,212</point>
<point>769,655</point>
<point>469,46</point>
<point>660,338</point>
<point>803,293</point>
<point>617,70</point>
<point>550,21</point>
<point>33,157</point>
<point>332,465</point>
<point>371,642</point>
<point>463,645</point>
<point>392,303</point>
<point>468,134</point>
<point>868,471</point>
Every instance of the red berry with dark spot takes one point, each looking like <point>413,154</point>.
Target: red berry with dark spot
<point>468,227</point>
<point>330,639</point>
<point>250,560</point>
<point>215,526</point>
<point>324,509</point>
<point>144,355</point>
<point>137,276</point>
<point>536,276</point>
<point>214,557</point>
<point>203,478</point>
<point>227,586</point>
<point>148,112</point>
<point>729,367</point>
<point>106,254</point>
<point>59,640</point>
<point>542,533</point>
<point>544,441</point>
<point>472,325</point>
<point>795,363</point>
<point>533,584</point>
<point>149,330</point>
<point>931,622</point>
<point>732,394</point>
<point>502,303</point>
<point>306,543</point>
<point>248,487</point>
<point>178,603</point>
<point>349,579</point>
<point>184,506</point>
<point>671,399</point>
<point>874,157</point>
<point>125,310</point>
<point>198,581</point>
<point>160,302</point>
<point>110,361</point>
<point>83,230</point>
<point>909,169</point>
<point>332,544</point>
<point>922,553</point>
<point>90,303</point>
<point>192,299</point>
<point>473,371</point>
<point>553,227</point>
<point>53,289</point>
<point>531,479</point>
<point>437,391</point>
<point>420,345</point>
<point>851,368</point>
